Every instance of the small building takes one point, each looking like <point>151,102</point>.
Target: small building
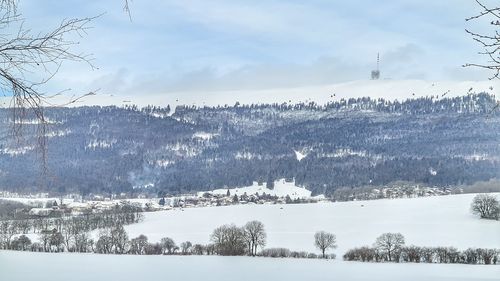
<point>41,212</point>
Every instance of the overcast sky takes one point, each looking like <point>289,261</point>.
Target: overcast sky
<point>184,45</point>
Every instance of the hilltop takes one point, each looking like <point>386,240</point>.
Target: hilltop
<point>433,141</point>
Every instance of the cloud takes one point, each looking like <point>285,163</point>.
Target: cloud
<point>404,62</point>
<point>406,54</point>
<point>324,70</point>
<point>192,45</point>
<point>112,82</point>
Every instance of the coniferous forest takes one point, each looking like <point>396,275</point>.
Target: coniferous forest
<point>434,141</point>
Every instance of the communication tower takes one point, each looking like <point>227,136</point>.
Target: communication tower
<point>376,73</point>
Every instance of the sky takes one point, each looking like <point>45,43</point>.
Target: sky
<point>198,45</point>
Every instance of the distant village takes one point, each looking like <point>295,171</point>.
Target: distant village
<point>43,205</point>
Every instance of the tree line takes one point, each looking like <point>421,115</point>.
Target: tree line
<point>390,247</point>
<point>247,240</point>
<point>67,233</point>
<point>225,240</point>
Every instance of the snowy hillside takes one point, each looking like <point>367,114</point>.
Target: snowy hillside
<point>281,188</point>
<point>433,141</point>
<point>431,221</point>
<point>388,89</point>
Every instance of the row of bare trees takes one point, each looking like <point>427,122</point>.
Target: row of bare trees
<point>74,235</point>
<point>416,254</point>
<point>72,231</point>
<point>287,253</point>
<point>390,247</point>
<point>231,240</point>
<point>225,240</point>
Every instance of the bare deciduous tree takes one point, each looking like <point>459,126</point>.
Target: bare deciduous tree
<point>198,249</point>
<point>324,241</point>
<point>389,243</point>
<point>186,247</point>
<point>104,243</point>
<point>28,60</point>
<point>228,240</point>
<point>486,206</point>
<point>138,245</point>
<point>119,238</point>
<point>255,236</point>
<point>168,245</point>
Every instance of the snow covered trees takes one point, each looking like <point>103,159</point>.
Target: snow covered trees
<point>229,240</point>
<point>416,254</point>
<point>138,245</point>
<point>21,243</point>
<point>486,206</point>
<point>324,241</point>
<point>168,245</point>
<point>104,243</point>
<point>255,236</point>
<point>119,238</point>
<point>390,245</point>
<point>112,241</point>
<point>186,247</point>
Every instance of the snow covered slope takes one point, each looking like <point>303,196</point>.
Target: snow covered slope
<point>389,89</point>
<point>281,188</point>
<point>431,221</point>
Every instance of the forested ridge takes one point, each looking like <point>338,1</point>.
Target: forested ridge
<point>345,143</point>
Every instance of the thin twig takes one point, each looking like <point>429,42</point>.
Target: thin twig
<point>26,54</point>
<point>489,42</point>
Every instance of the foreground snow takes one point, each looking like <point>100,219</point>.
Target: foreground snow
<point>17,266</point>
<point>430,221</point>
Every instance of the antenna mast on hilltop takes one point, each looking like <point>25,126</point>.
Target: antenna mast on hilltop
<point>376,73</point>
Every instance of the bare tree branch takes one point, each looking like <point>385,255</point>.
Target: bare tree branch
<point>9,6</point>
<point>25,55</point>
<point>490,42</point>
<point>126,8</point>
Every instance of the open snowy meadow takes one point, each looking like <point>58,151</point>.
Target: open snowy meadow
<point>429,221</point>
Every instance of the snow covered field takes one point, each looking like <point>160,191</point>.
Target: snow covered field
<point>430,221</point>
<point>20,266</point>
